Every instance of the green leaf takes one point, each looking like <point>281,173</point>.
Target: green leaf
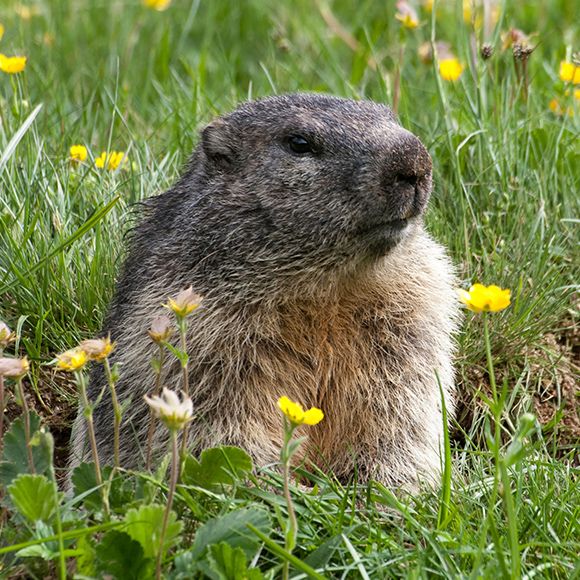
<point>227,563</point>
<point>36,551</point>
<point>119,556</point>
<point>186,566</point>
<point>232,528</point>
<point>144,525</point>
<point>85,559</point>
<point>44,544</point>
<point>320,557</point>
<point>15,457</point>
<point>181,356</point>
<point>217,466</point>
<point>84,479</point>
<point>34,496</point>
<point>121,491</point>
<point>517,448</point>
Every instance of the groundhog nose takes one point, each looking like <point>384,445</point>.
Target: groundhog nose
<point>406,175</point>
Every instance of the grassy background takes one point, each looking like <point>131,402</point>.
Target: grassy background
<point>113,75</point>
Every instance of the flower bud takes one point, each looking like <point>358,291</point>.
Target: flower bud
<point>407,15</point>
<point>98,348</point>
<point>173,412</point>
<point>160,330</point>
<point>14,368</point>
<point>184,303</point>
<point>6,335</point>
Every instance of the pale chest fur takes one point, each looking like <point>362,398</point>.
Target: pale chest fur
<point>368,358</point>
<point>367,355</point>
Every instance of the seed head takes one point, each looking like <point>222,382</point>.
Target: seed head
<point>522,51</point>
<point>486,51</point>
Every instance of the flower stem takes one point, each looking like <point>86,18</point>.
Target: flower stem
<point>157,392</point>
<point>49,441</point>
<point>88,413</point>
<point>501,470</point>
<point>118,414</point>
<point>26,418</point>
<point>185,369</point>
<point>292,530</point>
<point>2,405</point>
<point>491,373</point>
<point>172,486</point>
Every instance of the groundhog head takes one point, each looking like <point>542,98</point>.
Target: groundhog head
<point>307,183</point>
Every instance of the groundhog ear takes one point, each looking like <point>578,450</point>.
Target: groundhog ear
<point>218,144</point>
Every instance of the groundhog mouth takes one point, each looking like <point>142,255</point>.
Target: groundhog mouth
<point>379,239</point>
<point>384,227</point>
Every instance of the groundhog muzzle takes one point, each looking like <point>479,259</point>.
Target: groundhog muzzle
<point>299,220</point>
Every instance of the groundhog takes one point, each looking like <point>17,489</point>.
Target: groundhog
<point>299,219</point>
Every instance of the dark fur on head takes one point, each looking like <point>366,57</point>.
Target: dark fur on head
<point>250,215</point>
<point>295,213</point>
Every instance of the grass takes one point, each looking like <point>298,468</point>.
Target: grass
<point>116,76</point>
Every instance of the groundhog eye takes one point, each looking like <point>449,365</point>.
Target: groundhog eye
<point>299,144</point>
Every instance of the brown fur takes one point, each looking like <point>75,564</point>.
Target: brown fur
<point>363,340</point>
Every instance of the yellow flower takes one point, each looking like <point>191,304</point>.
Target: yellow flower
<point>407,15</point>
<point>97,348</point>
<point>482,298</point>
<point>78,153</point>
<point>12,64</point>
<point>450,69</point>
<point>184,303</point>
<point>2,31</point>
<point>173,412</point>
<point>428,5</point>
<point>14,368</point>
<point>72,360</point>
<point>158,5</point>
<point>110,160</point>
<point>297,415</point>
<point>569,72</point>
